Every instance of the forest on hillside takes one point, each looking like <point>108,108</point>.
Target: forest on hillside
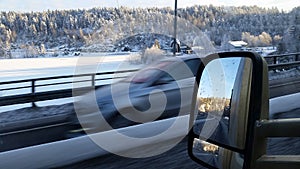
<point>105,27</point>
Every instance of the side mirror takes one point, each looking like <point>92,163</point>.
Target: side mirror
<point>232,94</point>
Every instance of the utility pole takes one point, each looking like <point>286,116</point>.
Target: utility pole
<point>118,4</point>
<point>175,29</point>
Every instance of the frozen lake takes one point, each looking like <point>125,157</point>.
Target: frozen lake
<point>19,69</point>
<point>29,68</point>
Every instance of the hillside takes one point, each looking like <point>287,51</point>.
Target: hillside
<point>101,29</point>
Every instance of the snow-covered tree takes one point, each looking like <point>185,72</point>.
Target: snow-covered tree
<point>42,49</point>
<point>54,28</point>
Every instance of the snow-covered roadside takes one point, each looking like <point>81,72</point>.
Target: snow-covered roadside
<point>284,74</point>
<point>30,113</point>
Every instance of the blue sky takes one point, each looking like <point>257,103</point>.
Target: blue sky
<point>41,5</point>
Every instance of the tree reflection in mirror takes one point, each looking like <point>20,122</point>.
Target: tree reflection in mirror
<point>215,156</point>
<point>223,92</point>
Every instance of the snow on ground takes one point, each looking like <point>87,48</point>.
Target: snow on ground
<point>14,69</point>
<point>284,74</point>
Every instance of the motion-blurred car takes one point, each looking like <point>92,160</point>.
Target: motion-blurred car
<point>160,90</point>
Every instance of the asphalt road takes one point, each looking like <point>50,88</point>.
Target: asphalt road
<point>176,158</point>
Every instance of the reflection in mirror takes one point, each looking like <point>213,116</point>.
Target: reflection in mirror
<point>215,156</point>
<point>222,95</point>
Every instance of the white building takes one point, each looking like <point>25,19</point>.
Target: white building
<point>237,45</point>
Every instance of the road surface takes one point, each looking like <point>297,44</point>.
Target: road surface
<point>176,158</point>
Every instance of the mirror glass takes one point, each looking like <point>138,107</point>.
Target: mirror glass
<point>222,102</point>
<point>215,156</point>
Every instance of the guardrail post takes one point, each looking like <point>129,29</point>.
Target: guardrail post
<point>33,93</point>
<point>296,57</point>
<point>93,80</point>
<point>275,60</point>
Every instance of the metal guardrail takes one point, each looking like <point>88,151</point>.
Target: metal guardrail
<point>283,61</point>
<point>34,96</point>
<point>284,65</point>
<point>274,58</point>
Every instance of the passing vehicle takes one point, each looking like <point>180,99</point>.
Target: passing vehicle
<point>158,91</point>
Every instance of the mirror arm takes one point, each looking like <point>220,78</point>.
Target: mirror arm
<point>278,128</point>
<point>275,128</point>
<point>281,162</point>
